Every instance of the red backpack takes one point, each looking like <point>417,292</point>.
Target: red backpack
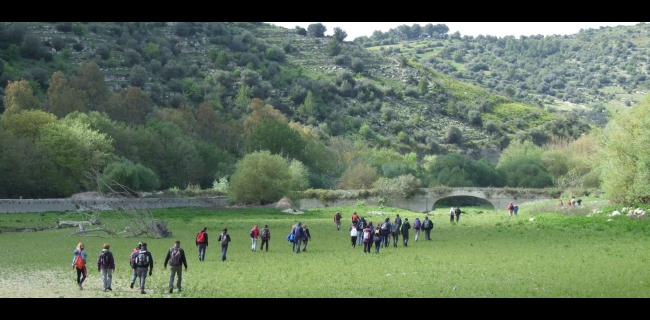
<point>200,238</point>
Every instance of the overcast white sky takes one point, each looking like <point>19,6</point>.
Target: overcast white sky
<point>499,29</point>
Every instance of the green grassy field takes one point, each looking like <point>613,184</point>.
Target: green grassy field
<point>487,254</point>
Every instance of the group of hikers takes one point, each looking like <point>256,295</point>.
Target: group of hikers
<point>368,233</point>
<point>141,262</point>
<point>572,202</point>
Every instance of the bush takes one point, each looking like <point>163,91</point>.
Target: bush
<point>357,65</point>
<point>260,178</point>
<point>361,176</point>
<point>133,176</point>
<point>404,186</point>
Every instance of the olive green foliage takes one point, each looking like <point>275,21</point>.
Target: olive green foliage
<point>333,47</point>
<point>404,186</point>
<point>299,174</point>
<point>278,138</point>
<point>124,173</point>
<point>453,170</point>
<point>626,157</point>
<point>525,172</point>
<point>360,176</point>
<point>260,177</point>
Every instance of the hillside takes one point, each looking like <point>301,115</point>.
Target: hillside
<point>188,100</point>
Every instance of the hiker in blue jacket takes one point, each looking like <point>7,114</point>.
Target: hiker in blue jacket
<point>298,235</point>
<point>385,232</point>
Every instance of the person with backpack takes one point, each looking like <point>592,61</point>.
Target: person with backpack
<point>106,265</point>
<point>354,234</point>
<point>224,239</point>
<point>394,231</point>
<point>337,219</point>
<point>452,212</point>
<point>265,234</point>
<point>511,208</point>
<point>405,231</point>
<point>291,238</point>
<point>377,238</point>
<point>416,227</point>
<point>457,212</point>
<point>176,259</point>
<point>362,224</point>
<point>298,236</point>
<point>367,239</point>
<point>306,237</point>
<point>79,263</point>
<point>144,261</point>
<point>516,209</point>
<point>202,243</point>
<point>355,218</point>
<point>255,234</point>
<point>385,232</point>
<point>427,225</point>
<point>134,254</point>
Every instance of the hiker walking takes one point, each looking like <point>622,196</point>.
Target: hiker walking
<point>394,231</point>
<point>337,219</point>
<point>452,212</point>
<point>298,236</point>
<point>79,263</point>
<point>458,212</point>
<point>367,239</point>
<point>405,231</point>
<point>134,254</point>
<point>144,261</point>
<point>106,265</point>
<point>385,232</point>
<point>176,258</point>
<point>377,238</point>
<point>306,237</point>
<point>511,208</point>
<point>354,233</point>
<point>417,225</point>
<point>427,226</point>
<point>516,209</point>
<point>265,234</point>
<point>224,239</point>
<point>355,218</point>
<point>291,237</point>
<point>202,243</point>
<point>579,201</point>
<point>362,224</point>
<point>255,233</point>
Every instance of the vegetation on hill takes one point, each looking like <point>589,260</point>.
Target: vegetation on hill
<point>186,101</point>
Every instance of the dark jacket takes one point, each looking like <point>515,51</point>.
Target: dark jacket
<point>206,238</point>
<point>369,240</point>
<point>306,234</point>
<point>145,251</point>
<point>227,237</point>
<point>169,256</point>
<point>388,227</point>
<point>427,224</point>
<point>362,224</point>
<point>268,235</point>
<point>405,228</point>
<point>111,262</point>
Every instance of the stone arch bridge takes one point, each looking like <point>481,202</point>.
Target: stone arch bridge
<point>498,197</point>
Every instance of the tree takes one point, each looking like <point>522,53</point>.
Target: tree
<point>19,96</point>
<point>317,30</point>
<point>333,47</point>
<point>454,135</point>
<point>91,80</point>
<point>261,112</point>
<point>525,172</point>
<point>26,123</point>
<point>440,30</point>
<point>138,76</point>
<point>135,177</point>
<point>625,160</point>
<point>260,178</point>
<point>357,65</point>
<point>278,138</point>
<point>339,34</point>
<point>360,176</point>
<point>138,105</point>
<point>309,107</point>
<point>300,31</point>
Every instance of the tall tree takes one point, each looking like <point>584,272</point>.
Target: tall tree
<point>339,34</point>
<point>317,30</point>
<point>138,105</point>
<point>19,96</point>
<point>91,80</point>
<point>65,99</point>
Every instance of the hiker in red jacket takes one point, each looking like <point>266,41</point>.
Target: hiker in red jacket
<point>202,243</point>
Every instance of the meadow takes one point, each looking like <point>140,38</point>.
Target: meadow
<point>562,253</point>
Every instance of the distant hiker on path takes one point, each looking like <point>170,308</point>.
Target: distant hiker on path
<point>427,226</point>
<point>176,258</point>
<point>306,237</point>
<point>457,212</point>
<point>106,265</point>
<point>202,243</point>
<point>452,213</point>
<point>354,235</point>
<point>377,238</point>
<point>79,263</point>
<point>405,231</point>
<point>134,254</point>
<point>144,261</point>
<point>417,225</point>
<point>337,220</point>
<point>511,208</point>
<point>367,239</point>
<point>298,235</point>
<point>362,224</point>
<point>516,209</point>
<point>355,218</point>
<point>224,239</point>
<point>255,233</point>
<point>265,234</point>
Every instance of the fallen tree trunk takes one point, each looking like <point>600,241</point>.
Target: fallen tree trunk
<point>94,230</point>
